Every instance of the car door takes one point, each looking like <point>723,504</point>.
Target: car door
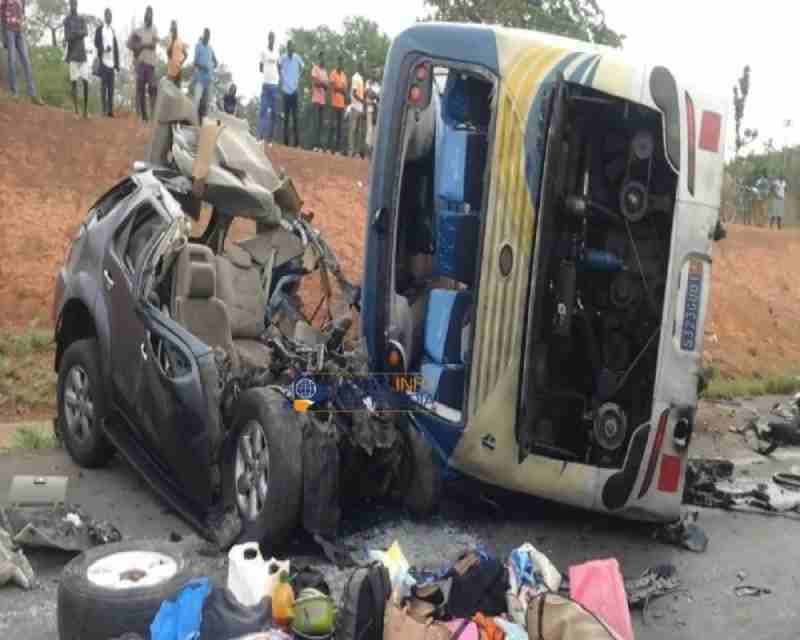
<point>129,355</point>
<point>155,373</point>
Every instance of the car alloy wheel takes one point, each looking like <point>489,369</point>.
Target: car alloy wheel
<point>78,404</point>
<point>252,470</point>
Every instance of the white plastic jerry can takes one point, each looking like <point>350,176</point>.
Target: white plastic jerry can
<point>250,577</point>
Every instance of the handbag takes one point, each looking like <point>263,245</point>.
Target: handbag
<point>399,625</point>
<point>552,616</point>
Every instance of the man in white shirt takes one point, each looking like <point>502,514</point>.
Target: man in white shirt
<point>270,59</point>
<point>776,203</point>
<point>356,125</point>
<point>105,42</point>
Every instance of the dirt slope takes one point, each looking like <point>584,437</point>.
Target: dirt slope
<point>53,166</point>
<point>755,303</point>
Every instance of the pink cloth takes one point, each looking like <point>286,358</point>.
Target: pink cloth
<point>471,631</point>
<point>599,587</point>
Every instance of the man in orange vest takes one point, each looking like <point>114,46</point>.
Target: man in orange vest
<point>338,90</point>
<point>319,89</point>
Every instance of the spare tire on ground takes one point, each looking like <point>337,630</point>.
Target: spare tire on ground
<point>117,589</point>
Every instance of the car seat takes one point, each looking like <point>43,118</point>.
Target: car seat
<point>199,310</point>
<point>446,344</point>
<point>239,286</point>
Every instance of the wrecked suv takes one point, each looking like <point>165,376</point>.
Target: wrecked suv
<point>181,350</point>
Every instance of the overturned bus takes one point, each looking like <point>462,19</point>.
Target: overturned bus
<point>540,221</point>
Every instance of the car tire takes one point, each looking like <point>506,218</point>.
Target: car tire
<point>93,602</point>
<point>423,486</point>
<point>82,405</point>
<point>282,431</point>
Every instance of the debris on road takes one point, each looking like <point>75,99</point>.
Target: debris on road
<point>701,478</point>
<point>653,583</point>
<point>780,428</point>
<point>711,484</point>
<point>746,590</point>
<point>684,533</point>
<point>63,527</point>
<point>14,566</point>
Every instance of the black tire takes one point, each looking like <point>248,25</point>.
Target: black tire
<point>87,611</point>
<point>284,435</point>
<point>92,449</point>
<point>423,487</point>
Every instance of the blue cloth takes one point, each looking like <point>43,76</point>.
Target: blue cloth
<point>204,56</point>
<point>291,68</point>
<point>180,619</point>
<point>268,113</point>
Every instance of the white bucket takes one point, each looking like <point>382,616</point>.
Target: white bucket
<point>250,577</point>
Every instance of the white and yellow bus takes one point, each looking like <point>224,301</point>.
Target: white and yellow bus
<point>541,218</point>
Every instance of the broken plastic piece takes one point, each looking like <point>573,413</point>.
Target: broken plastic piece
<point>746,590</point>
<point>14,566</point>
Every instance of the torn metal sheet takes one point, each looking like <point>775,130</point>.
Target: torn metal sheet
<point>61,527</point>
<point>14,566</point>
<point>653,583</point>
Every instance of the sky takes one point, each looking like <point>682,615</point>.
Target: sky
<point>707,40</point>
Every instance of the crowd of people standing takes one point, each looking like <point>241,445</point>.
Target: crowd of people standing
<point>335,99</point>
<point>343,109</point>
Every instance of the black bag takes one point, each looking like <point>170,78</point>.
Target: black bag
<point>481,589</point>
<point>225,618</point>
<point>309,578</point>
<point>364,604</point>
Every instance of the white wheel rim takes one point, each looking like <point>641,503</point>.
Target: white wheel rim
<point>132,570</point>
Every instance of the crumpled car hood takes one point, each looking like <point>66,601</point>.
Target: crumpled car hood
<point>239,179</point>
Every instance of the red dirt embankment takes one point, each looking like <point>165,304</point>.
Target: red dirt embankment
<point>53,166</point>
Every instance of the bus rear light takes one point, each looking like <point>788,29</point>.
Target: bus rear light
<point>421,73</point>
<point>658,443</point>
<point>669,476</point>
<point>415,95</point>
<point>710,131</point>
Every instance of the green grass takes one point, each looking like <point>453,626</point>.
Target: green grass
<point>725,389</point>
<point>27,379</point>
<point>33,439</point>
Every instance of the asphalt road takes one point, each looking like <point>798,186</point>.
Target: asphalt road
<point>764,547</point>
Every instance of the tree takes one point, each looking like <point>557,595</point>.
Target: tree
<point>740,92</point>
<point>47,17</point>
<point>579,19</point>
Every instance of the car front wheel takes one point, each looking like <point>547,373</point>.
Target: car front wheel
<point>82,406</point>
<point>264,466</point>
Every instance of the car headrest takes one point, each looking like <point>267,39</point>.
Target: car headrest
<point>192,253</point>
<point>204,281</point>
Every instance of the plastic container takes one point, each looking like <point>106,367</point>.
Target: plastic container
<point>250,577</point>
<point>283,602</point>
